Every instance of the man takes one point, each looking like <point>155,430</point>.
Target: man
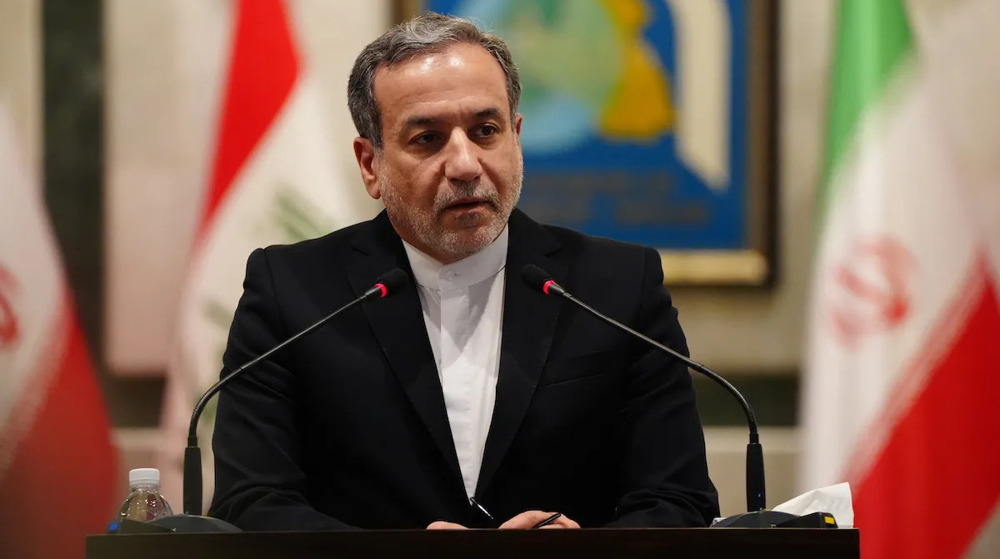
<point>469,399</point>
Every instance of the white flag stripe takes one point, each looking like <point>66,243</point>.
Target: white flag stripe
<point>35,290</point>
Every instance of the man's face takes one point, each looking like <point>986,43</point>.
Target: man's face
<point>450,169</point>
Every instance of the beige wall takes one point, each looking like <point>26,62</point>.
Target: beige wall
<point>21,72</point>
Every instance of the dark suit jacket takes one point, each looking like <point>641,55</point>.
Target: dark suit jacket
<point>348,427</point>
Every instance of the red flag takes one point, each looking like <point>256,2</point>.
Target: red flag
<point>57,461</point>
<point>263,68</point>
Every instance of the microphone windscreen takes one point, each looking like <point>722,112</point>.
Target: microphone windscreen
<point>393,280</point>
<point>535,277</point>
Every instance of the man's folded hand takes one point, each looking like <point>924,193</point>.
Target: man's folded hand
<point>442,525</point>
<point>528,519</point>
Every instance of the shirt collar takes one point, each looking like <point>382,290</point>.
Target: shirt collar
<point>467,272</point>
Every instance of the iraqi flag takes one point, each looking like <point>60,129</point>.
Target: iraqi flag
<point>903,369</point>
<point>57,461</point>
<point>274,180</point>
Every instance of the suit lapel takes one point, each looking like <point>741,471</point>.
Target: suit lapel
<point>529,322</point>
<point>398,324</point>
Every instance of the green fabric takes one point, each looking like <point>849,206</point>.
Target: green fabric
<point>873,37</point>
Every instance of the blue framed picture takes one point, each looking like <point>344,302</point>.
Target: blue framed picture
<point>650,121</point>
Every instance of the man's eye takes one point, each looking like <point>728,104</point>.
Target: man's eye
<point>487,130</point>
<point>425,138</point>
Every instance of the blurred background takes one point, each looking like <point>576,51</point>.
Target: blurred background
<point>121,121</point>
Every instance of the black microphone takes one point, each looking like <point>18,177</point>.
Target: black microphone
<point>191,520</point>
<point>538,278</point>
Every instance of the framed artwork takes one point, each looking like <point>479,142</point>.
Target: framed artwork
<point>649,121</point>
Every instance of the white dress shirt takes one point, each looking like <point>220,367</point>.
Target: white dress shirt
<point>463,312</point>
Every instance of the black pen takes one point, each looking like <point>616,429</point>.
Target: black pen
<point>547,521</point>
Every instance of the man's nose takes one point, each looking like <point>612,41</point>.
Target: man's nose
<point>462,157</point>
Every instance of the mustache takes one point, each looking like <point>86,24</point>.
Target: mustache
<point>463,193</point>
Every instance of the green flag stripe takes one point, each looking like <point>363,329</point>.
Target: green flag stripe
<point>872,38</point>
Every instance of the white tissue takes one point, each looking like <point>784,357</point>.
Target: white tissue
<point>835,499</point>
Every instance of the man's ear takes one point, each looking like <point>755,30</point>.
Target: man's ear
<point>364,152</point>
<point>517,124</point>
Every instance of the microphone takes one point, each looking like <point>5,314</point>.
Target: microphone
<point>756,516</point>
<point>191,520</point>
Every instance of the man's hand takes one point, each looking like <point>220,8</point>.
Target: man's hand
<point>442,525</point>
<point>527,520</point>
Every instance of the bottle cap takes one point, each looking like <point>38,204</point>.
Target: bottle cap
<point>144,476</point>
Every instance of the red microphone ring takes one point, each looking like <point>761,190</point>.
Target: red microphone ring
<point>382,287</point>
<point>545,287</point>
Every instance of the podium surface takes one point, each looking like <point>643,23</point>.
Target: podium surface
<point>522,544</point>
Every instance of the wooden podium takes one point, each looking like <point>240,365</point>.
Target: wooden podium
<point>706,543</point>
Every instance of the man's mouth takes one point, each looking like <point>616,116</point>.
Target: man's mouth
<point>466,203</point>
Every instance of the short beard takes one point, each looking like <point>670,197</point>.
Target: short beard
<point>450,245</point>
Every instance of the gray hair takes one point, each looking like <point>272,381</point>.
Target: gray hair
<point>425,33</point>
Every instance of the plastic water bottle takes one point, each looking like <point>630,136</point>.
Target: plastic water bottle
<point>144,502</point>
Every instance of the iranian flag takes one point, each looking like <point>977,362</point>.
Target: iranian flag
<point>57,462</point>
<point>902,386</point>
<point>274,180</point>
